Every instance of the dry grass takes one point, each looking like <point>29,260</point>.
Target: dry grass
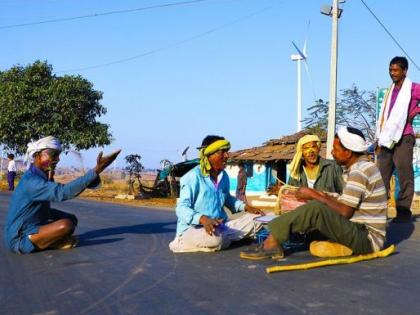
<point>3,185</point>
<point>108,190</point>
<point>112,187</point>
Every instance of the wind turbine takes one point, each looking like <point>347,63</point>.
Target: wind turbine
<point>301,55</point>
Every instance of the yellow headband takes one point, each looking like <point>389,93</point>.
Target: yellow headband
<point>218,145</point>
<point>294,166</point>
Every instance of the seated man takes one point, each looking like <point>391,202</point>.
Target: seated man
<point>202,221</point>
<point>355,222</point>
<point>32,225</point>
<point>308,169</point>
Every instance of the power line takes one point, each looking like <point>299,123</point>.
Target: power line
<point>102,14</point>
<point>389,33</point>
<point>153,51</point>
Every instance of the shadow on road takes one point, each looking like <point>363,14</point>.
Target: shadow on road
<point>396,233</point>
<point>146,228</point>
<point>87,242</point>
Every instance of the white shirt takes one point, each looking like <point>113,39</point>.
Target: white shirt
<point>311,182</point>
<point>11,167</point>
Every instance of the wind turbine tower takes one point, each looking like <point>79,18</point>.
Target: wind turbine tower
<point>301,55</point>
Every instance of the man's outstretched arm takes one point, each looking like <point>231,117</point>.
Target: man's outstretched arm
<point>102,162</point>
<point>41,190</point>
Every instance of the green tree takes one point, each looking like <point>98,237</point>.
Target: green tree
<point>356,108</point>
<point>134,169</point>
<point>35,103</point>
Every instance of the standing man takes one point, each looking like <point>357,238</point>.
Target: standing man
<point>32,225</point>
<point>11,171</point>
<point>203,224</point>
<point>353,223</point>
<point>242,180</point>
<point>396,137</point>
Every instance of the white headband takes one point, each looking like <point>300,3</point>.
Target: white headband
<point>49,142</point>
<point>352,141</point>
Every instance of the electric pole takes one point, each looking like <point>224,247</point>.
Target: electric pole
<point>335,13</point>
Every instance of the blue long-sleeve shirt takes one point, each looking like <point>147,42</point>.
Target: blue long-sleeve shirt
<point>30,204</point>
<point>200,196</point>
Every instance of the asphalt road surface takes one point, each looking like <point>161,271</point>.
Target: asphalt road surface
<point>123,266</point>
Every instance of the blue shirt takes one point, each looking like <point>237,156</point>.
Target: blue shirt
<point>30,203</point>
<point>200,196</point>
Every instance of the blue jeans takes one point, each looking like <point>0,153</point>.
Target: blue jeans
<point>11,180</point>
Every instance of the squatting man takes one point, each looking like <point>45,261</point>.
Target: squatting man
<point>32,225</point>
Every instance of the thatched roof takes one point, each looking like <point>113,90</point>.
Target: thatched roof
<point>274,149</point>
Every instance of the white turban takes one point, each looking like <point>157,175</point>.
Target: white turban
<point>49,142</point>
<point>352,141</point>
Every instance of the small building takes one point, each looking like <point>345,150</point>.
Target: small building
<point>267,163</point>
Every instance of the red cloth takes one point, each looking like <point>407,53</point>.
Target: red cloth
<point>289,201</point>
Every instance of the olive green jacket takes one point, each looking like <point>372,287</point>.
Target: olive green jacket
<point>330,177</point>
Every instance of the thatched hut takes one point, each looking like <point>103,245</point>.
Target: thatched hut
<point>267,163</point>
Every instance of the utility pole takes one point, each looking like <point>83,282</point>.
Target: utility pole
<point>335,13</point>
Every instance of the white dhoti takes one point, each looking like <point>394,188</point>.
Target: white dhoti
<point>196,239</point>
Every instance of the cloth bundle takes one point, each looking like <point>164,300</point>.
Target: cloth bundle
<point>287,200</point>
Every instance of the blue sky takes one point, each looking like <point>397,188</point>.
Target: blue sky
<point>217,67</point>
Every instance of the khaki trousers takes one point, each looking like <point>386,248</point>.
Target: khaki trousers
<point>318,217</point>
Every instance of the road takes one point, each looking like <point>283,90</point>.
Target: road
<point>123,266</point>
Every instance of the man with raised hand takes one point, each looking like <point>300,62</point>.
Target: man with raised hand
<point>32,225</point>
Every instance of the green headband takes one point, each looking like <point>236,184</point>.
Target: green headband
<point>218,145</point>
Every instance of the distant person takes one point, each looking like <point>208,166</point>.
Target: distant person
<point>355,222</point>
<point>309,169</point>
<point>11,171</point>
<point>396,137</point>
<point>32,225</point>
<point>241,180</point>
<point>202,221</point>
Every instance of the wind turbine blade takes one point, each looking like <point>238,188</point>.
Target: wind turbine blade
<point>185,150</point>
<point>306,38</point>
<point>299,51</point>
<point>310,79</point>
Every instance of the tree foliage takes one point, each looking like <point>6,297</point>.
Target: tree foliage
<point>35,103</point>
<point>356,108</point>
<point>134,169</point>
<point>134,166</point>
